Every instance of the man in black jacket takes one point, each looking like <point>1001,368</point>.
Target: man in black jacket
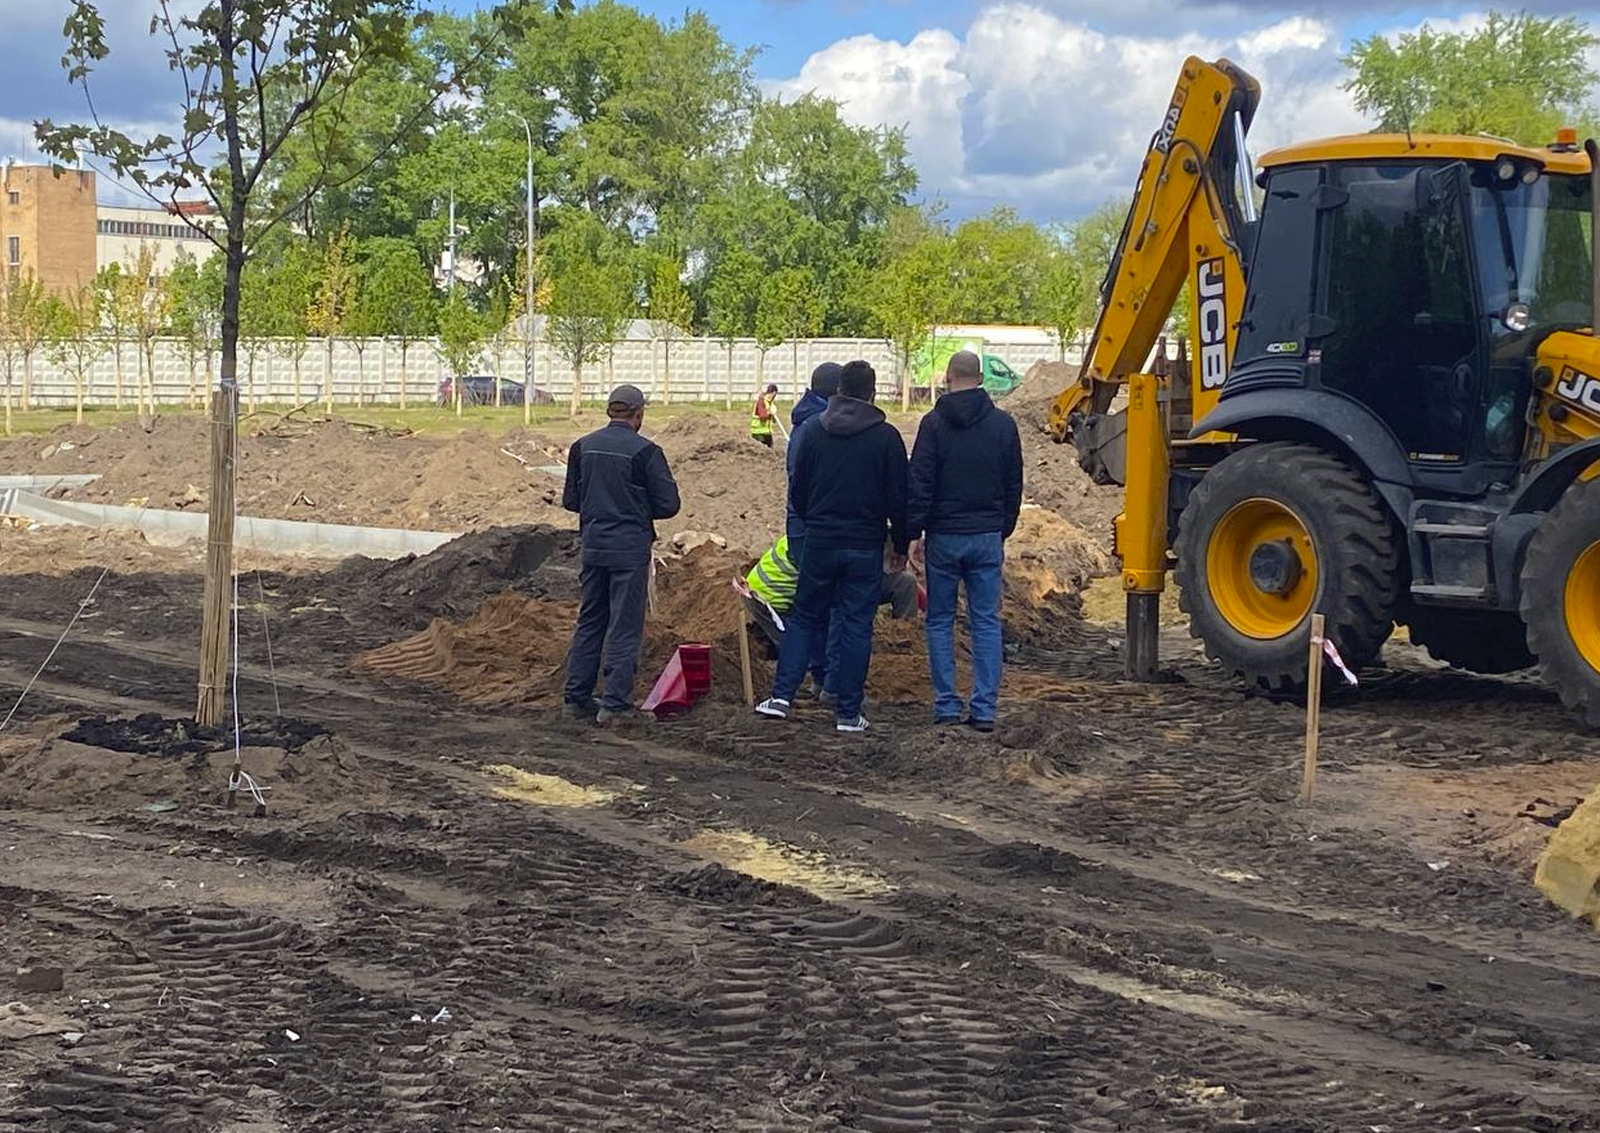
<point>965,496</point>
<point>619,484</point>
<point>849,488</point>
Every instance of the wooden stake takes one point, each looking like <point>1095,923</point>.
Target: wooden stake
<point>744,657</point>
<point>218,600</point>
<point>1308,777</point>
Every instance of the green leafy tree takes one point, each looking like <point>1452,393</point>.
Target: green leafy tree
<point>996,263</point>
<point>671,313</point>
<point>591,296</point>
<point>252,74</point>
<point>148,304</point>
<point>74,338</point>
<point>397,298</point>
<point>23,327</point>
<point>462,334</point>
<point>1066,297</point>
<point>191,320</point>
<point>1517,76</point>
<point>790,308</point>
<point>111,297</point>
<point>335,301</point>
<point>914,290</point>
<point>293,290</point>
<point>731,304</point>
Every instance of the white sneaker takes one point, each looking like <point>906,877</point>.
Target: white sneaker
<point>859,724</point>
<point>774,708</point>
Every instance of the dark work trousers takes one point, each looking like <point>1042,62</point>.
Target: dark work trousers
<point>848,581</point>
<point>610,622</point>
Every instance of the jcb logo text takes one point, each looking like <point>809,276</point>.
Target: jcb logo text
<point>1212,289</point>
<point>1580,388</point>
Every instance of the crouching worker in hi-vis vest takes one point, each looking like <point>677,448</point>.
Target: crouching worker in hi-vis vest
<point>773,582</point>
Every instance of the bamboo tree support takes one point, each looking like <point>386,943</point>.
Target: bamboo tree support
<point>1308,775</point>
<point>218,599</point>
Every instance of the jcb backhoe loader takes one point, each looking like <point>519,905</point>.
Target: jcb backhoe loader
<point>1389,411</point>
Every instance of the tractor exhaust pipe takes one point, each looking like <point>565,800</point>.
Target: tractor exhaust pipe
<point>1593,150</point>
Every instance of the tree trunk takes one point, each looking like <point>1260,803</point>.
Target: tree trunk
<point>577,388</point>
<point>78,387</point>
<point>214,641</point>
<point>27,382</point>
<point>116,357</point>
<point>361,377</point>
<point>194,384</point>
<point>727,389</point>
<point>405,351</point>
<point>666,370</point>
<point>297,389</point>
<point>8,402</point>
<point>327,372</point>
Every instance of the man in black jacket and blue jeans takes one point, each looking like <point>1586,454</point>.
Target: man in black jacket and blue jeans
<point>848,486</point>
<point>619,484</point>
<point>965,496</point>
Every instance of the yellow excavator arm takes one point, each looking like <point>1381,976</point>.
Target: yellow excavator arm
<point>1187,223</point>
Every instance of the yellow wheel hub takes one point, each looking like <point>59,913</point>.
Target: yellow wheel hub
<point>1262,569</point>
<point>1582,604</point>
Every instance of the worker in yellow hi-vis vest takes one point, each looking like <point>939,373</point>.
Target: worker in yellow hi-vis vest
<point>763,415</point>
<point>774,580</point>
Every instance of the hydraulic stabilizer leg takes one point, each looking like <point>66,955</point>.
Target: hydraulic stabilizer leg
<point>1144,636</point>
<point>1142,526</point>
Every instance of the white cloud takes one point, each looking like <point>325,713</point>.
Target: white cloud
<point>1052,115</point>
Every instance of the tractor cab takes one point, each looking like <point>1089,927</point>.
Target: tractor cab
<point>1417,280</point>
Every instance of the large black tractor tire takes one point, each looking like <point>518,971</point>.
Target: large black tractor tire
<point>1275,533</point>
<point>1479,641</point>
<point>1561,598</point>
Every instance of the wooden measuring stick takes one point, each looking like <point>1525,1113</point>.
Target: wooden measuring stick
<point>1308,777</point>
<point>744,657</point>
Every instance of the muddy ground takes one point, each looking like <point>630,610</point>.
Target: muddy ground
<point>1110,916</point>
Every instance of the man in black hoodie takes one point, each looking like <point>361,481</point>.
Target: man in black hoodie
<point>965,496</point>
<point>849,488</point>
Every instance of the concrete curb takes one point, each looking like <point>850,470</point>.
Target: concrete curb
<point>283,536</point>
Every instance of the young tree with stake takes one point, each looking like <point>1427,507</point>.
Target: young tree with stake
<point>252,73</point>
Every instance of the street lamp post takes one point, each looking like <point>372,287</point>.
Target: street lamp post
<point>527,290</point>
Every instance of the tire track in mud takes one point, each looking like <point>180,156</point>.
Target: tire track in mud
<point>637,996</point>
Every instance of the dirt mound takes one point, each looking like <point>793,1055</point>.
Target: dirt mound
<point>450,582</point>
<point>730,484</point>
<point>158,764</point>
<point>512,648</point>
<point>1045,381</point>
<point>325,471</point>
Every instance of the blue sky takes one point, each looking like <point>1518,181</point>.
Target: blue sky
<point>1042,105</point>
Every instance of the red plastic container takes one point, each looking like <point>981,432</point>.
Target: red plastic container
<point>685,680</point>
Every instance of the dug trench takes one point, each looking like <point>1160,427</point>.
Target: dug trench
<point>463,912</point>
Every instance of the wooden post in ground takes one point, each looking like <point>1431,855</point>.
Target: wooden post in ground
<point>744,657</point>
<point>1308,776</point>
<point>218,600</point>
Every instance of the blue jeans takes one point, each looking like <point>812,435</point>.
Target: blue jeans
<point>976,562</point>
<point>848,583</point>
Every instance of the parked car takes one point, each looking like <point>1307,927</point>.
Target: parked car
<point>478,389</point>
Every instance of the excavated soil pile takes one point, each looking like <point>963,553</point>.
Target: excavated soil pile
<point>324,471</point>
<point>1051,475</point>
<point>730,484</point>
<point>510,648</point>
<point>451,582</point>
<point>162,764</point>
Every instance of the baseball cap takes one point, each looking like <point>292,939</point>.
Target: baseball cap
<point>629,397</point>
